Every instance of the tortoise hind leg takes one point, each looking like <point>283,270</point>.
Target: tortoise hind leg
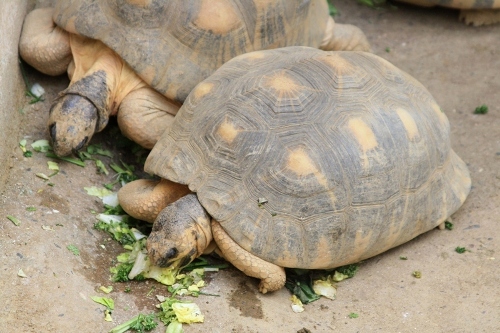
<point>480,17</point>
<point>344,37</point>
<point>272,276</point>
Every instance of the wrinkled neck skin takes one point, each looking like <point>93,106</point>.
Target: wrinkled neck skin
<point>91,56</point>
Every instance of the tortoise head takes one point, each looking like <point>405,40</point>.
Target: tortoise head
<point>181,232</point>
<point>72,123</point>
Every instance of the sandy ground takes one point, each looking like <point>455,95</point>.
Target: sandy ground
<point>459,65</point>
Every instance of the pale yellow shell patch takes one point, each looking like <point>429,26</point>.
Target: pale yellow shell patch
<point>363,134</point>
<point>408,123</point>
<point>202,89</point>
<point>253,55</point>
<point>337,63</point>
<point>139,3</point>
<point>282,83</point>
<point>227,131</point>
<point>218,16</point>
<point>300,163</point>
<point>441,115</point>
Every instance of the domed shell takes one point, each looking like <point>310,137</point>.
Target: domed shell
<point>174,45</point>
<point>314,159</point>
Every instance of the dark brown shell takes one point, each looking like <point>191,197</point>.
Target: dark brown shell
<point>348,155</point>
<point>174,45</point>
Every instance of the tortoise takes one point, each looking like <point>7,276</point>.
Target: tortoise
<point>301,158</point>
<point>472,12</point>
<point>139,59</point>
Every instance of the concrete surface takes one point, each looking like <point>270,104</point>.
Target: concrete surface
<point>459,65</point>
<point>12,13</point>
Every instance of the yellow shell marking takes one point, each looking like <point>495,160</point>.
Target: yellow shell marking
<point>253,55</point>
<point>337,63</point>
<point>227,131</point>
<point>202,89</point>
<point>361,243</point>
<point>139,3</point>
<point>363,134</point>
<point>322,253</point>
<point>365,137</point>
<point>442,117</point>
<point>408,123</point>
<point>282,83</point>
<point>218,16</point>
<point>302,165</point>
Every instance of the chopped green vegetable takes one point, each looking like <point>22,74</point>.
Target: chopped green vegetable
<point>120,272</point>
<point>403,258</point>
<point>35,93</point>
<point>107,315</point>
<point>483,109</point>
<point>14,220</point>
<point>325,288</point>
<point>460,250</point>
<point>98,192</point>
<point>174,327</point>
<point>139,323</point>
<point>42,175</point>
<point>417,274</point>
<point>261,202</point>
<point>22,145</point>
<point>31,209</point>
<point>66,159</point>
<point>145,270</point>
<point>387,49</point>
<point>187,312</point>
<point>337,276</point>
<point>116,226</point>
<point>73,249</point>
<point>297,305</point>
<point>448,225</point>
<point>106,290</point>
<point>97,150</point>
<point>101,167</point>
<point>41,146</point>
<point>28,153</point>
<point>107,302</point>
<point>299,282</point>
<point>53,166</point>
<point>21,273</point>
<point>353,315</point>
<point>349,270</point>
<point>124,175</point>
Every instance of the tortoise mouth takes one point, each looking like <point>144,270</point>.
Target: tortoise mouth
<point>166,258</point>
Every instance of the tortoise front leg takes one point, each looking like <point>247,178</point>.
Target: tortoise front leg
<point>144,114</point>
<point>272,277</point>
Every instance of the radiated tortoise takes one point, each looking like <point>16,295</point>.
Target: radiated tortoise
<point>298,157</point>
<point>116,51</point>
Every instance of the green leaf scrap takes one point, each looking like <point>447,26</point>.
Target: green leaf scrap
<point>14,220</point>
<point>107,302</point>
<point>73,249</point>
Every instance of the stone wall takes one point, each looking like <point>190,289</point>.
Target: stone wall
<point>12,13</point>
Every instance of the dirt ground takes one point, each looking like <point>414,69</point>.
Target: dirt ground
<point>459,65</point>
